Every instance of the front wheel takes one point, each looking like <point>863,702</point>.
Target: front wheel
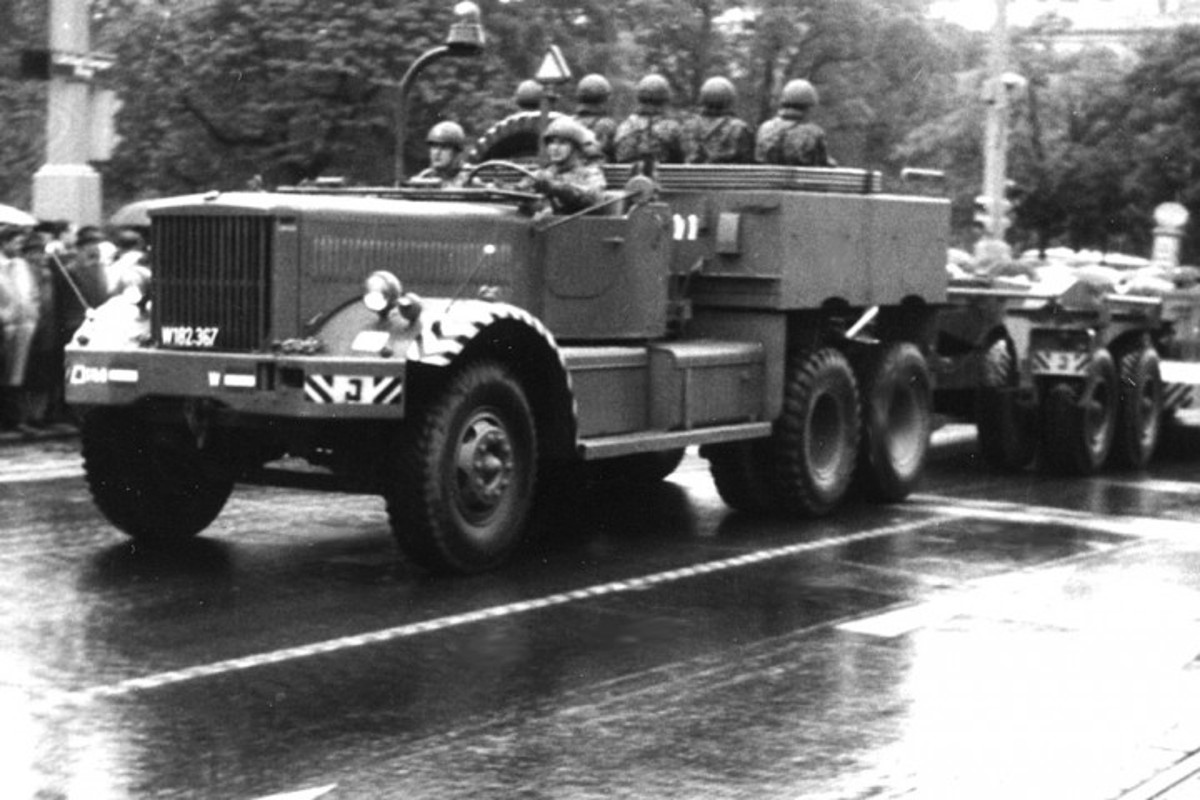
<point>1079,419</point>
<point>466,473</point>
<point>150,480</point>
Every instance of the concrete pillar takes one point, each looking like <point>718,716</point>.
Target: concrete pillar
<point>66,186</point>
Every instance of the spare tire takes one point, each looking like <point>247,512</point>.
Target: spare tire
<point>514,138</point>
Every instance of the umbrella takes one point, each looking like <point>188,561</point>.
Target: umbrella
<point>15,216</point>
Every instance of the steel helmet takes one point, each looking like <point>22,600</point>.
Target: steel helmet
<point>569,129</point>
<point>798,93</point>
<point>529,94</point>
<point>718,94</point>
<point>654,90</point>
<point>447,133</point>
<point>593,88</point>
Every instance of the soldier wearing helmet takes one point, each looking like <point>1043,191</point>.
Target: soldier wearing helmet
<point>788,138</point>
<point>650,133</point>
<point>716,135</point>
<point>569,182</point>
<point>591,110</point>
<point>529,95</point>
<point>446,141</point>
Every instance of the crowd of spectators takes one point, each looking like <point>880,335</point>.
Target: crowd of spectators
<point>50,275</point>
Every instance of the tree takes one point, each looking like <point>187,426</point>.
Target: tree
<point>22,134</point>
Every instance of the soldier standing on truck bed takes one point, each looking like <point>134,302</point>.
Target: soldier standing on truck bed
<point>528,96</point>
<point>716,135</point>
<point>446,141</point>
<point>788,138</point>
<point>649,133</point>
<point>569,182</point>
<point>591,110</point>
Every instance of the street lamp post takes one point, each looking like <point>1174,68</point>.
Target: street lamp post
<point>464,39</point>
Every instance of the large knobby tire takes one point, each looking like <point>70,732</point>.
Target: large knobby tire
<point>1140,407</point>
<point>897,421</point>
<point>466,473</point>
<point>1007,426</point>
<point>516,137</point>
<point>150,481</point>
<point>1079,419</point>
<point>815,442</point>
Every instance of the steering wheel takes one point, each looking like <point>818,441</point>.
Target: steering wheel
<point>502,166</point>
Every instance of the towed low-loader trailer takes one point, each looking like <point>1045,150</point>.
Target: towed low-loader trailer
<point>453,351</point>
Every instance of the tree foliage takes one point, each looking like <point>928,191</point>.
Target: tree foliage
<point>216,92</point>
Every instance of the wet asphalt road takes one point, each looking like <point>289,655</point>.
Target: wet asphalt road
<point>994,637</point>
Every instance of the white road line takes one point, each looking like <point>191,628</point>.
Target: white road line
<point>219,668</point>
<point>41,472</point>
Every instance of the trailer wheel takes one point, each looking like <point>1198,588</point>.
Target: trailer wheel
<point>1007,427</point>
<point>897,421</point>
<point>467,473</point>
<point>1139,416</point>
<point>815,442</point>
<point>149,480</point>
<point>1079,419</point>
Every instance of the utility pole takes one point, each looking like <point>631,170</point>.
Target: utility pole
<point>995,148</point>
<point>66,187</point>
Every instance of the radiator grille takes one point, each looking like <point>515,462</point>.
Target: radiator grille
<point>212,281</point>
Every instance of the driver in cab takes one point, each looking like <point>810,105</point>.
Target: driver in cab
<point>569,183</point>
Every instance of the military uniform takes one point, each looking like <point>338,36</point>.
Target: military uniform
<point>603,126</point>
<point>788,140</point>
<point>717,139</point>
<point>654,136</point>
<point>571,188</point>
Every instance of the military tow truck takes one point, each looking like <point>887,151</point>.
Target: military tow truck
<point>449,350</point>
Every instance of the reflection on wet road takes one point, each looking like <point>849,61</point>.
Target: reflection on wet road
<point>995,636</point>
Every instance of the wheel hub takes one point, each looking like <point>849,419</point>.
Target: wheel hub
<point>485,465</point>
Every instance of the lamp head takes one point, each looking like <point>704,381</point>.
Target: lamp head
<point>466,36</point>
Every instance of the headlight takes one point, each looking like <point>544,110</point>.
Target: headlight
<point>381,292</point>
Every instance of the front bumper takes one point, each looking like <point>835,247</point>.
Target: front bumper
<point>288,386</point>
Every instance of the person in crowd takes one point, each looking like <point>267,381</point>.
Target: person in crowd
<point>650,133</point>
<point>446,141</point>
<point>130,253</point>
<point>89,269</point>
<point>716,135</point>
<point>591,111</point>
<point>788,137</point>
<point>568,182</point>
<point>43,373</point>
<point>19,306</point>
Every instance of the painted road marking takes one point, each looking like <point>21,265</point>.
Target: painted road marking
<point>386,635</point>
<point>943,509</point>
<point>31,473</point>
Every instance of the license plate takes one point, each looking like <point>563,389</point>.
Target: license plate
<point>1060,362</point>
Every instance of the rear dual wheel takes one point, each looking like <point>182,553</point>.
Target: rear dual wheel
<point>805,468</point>
<point>897,417</point>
